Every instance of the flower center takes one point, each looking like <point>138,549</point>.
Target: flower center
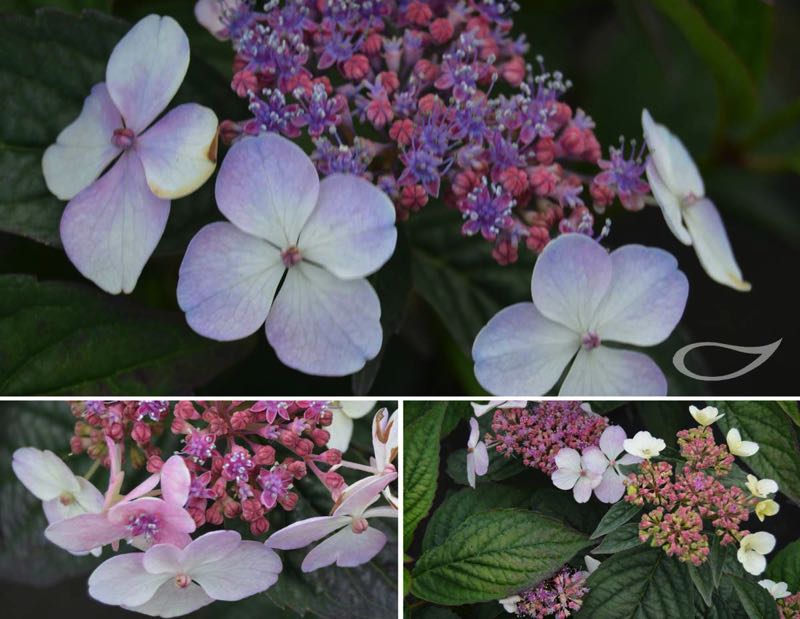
<point>590,340</point>
<point>143,524</point>
<point>182,581</point>
<point>123,138</point>
<point>360,525</point>
<point>66,499</point>
<point>291,256</point>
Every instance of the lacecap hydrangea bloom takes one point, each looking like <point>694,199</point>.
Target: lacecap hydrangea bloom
<point>113,223</point>
<point>295,256</point>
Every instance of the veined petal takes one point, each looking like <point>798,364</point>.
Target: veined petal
<point>673,162</point>
<point>163,559</point>
<point>302,533</point>
<point>570,279</point>
<point>351,231</point>
<point>179,152</point>
<point>712,245</point>
<point>84,533</point>
<point>268,186</point>
<point>605,371</point>
<point>227,281</point>
<point>222,579</point>
<point>208,14</point>
<point>646,298</point>
<point>323,325</point>
<point>582,491</point>
<point>110,229</point>
<point>210,547</point>
<point>612,441</point>
<point>481,459</point>
<point>359,496</point>
<point>341,431</point>
<point>43,473</point>
<point>611,487</point>
<point>521,351</point>
<point>123,580</point>
<point>172,601</point>
<point>83,149</point>
<point>346,549</point>
<point>146,69</point>
<point>670,204</point>
<point>564,479</point>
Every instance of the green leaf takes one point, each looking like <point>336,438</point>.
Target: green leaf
<point>756,600</point>
<point>457,411</point>
<point>791,409</point>
<point>561,505</point>
<point>459,505</point>
<point>619,514</point>
<point>48,64</point>
<point>406,581</point>
<point>493,554</point>
<point>641,582</point>
<point>71,339</point>
<point>421,466</point>
<point>434,612</point>
<point>500,467</point>
<point>30,6</point>
<point>785,566</point>
<point>703,580</point>
<point>464,285</point>
<point>621,538</point>
<point>766,423</point>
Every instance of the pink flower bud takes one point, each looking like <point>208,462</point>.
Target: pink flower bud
<point>514,181</point>
<point>320,437</point>
<point>198,514</point>
<point>373,44</point>
<point>513,71</point>
<point>252,510</point>
<point>356,67</point>
<point>185,410</point>
<point>287,438</point>
<point>441,30</point>
<point>141,432</point>
<point>297,468</point>
<point>537,239</point>
<point>288,501</point>
<point>240,420</point>
<point>571,140</point>
<point>419,13</point>
<point>116,432</point>
<point>425,70</point>
<point>389,81</point>
<point>542,180</point>
<point>214,514</point>
<point>244,82</point>
<point>259,526</point>
<point>304,447</point>
<point>545,151</point>
<point>332,457</point>
<point>230,508</point>
<point>505,251</point>
<point>264,455</point>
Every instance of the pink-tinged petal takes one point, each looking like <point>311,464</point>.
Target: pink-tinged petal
<point>629,459</point>
<point>481,459</point>
<point>570,280</point>
<point>208,14</point>
<point>222,579</point>
<point>611,488</point>
<point>123,580</point>
<point>83,149</point>
<point>163,559</point>
<point>381,512</point>
<point>646,299</point>
<point>594,460</point>
<point>565,479</point>
<point>302,533</point>
<point>471,469</point>
<point>521,351</point>
<point>672,160</point>
<point>582,491</point>
<point>669,203</point>
<point>345,549</point>
<point>175,481</point>
<point>611,441</point>
<point>568,459</point>
<point>143,488</point>
<point>351,231</point>
<point>210,547</point>
<point>43,473</point>
<point>85,532</point>
<point>712,245</point>
<point>323,325</point>
<point>146,69</point>
<point>173,601</point>
<point>227,281</point>
<point>340,430</point>
<point>110,229</point>
<point>179,152</point>
<point>605,371</point>
<point>474,433</point>
<point>268,186</point>
<point>362,494</point>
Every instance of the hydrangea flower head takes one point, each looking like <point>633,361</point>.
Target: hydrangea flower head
<point>319,240</point>
<point>583,297</point>
<point>680,192</point>
<point>113,223</point>
<point>168,581</point>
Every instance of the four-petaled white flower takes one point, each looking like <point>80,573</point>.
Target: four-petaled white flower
<point>761,488</point>
<point>612,444</point>
<point>705,416</point>
<point>583,298</point>
<point>113,223</point>
<point>644,445</point>
<point>317,240</point>
<point>752,549</point>
<point>737,446</point>
<point>778,590</point>
<point>580,472</point>
<point>341,428</point>
<point>679,190</point>
<point>765,508</point>
<point>509,604</point>
<point>477,454</point>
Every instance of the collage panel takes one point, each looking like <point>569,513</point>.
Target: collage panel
<point>201,509</point>
<point>601,509</point>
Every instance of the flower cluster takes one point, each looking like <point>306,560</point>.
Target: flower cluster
<point>538,432</point>
<point>428,100</point>
<point>789,607</point>
<point>559,596</point>
<point>233,460</point>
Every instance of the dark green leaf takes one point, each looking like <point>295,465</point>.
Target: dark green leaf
<point>420,466</point>
<point>71,339</point>
<point>756,600</point>
<point>791,409</point>
<point>641,582</point>
<point>785,566</point>
<point>561,505</point>
<point>459,505</point>
<point>619,514</point>
<point>622,538</point>
<point>493,554</point>
<point>457,411</point>
<point>703,580</point>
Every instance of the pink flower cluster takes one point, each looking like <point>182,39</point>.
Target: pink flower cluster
<point>789,607</point>
<point>559,596</point>
<point>538,433</point>
<point>429,100</point>
<point>229,449</point>
<point>687,497</point>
